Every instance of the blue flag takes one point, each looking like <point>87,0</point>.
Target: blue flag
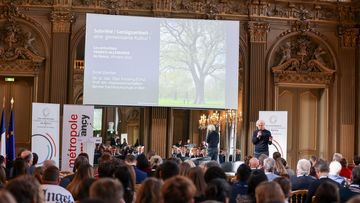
<point>10,141</point>
<point>3,135</point>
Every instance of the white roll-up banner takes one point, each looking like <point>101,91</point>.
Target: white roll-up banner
<point>45,132</point>
<point>77,127</point>
<point>276,123</point>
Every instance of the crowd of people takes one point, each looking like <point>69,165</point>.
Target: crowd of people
<point>148,178</point>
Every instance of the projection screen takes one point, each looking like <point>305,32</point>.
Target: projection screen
<point>144,61</point>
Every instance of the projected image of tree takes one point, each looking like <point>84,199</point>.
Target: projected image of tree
<point>192,63</point>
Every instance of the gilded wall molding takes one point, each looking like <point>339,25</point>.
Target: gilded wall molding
<point>343,12</point>
<point>61,19</point>
<point>349,36</point>
<point>258,31</point>
<point>301,59</point>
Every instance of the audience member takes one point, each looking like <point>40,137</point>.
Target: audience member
<point>327,192</point>
<point>54,193</point>
<point>334,170</point>
<point>184,169</point>
<point>302,180</point>
<point>337,157</point>
<point>79,161</point>
<point>254,163</point>
<point>168,169</point>
<point>149,191</point>
<point>214,172</point>
<point>83,172</point>
<point>257,176</point>
<point>196,174</point>
<point>218,189</point>
<point>269,164</point>
<point>123,174</point>
<point>178,189</point>
<point>345,171</point>
<point>25,189</point>
<point>240,187</point>
<point>84,192</point>
<point>354,188</point>
<point>108,190</point>
<point>269,192</point>
<point>322,172</point>
<point>140,175</point>
<point>285,185</point>
<point>6,197</point>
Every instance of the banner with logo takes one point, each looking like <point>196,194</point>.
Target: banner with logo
<point>276,123</point>
<point>77,128</point>
<point>45,132</point>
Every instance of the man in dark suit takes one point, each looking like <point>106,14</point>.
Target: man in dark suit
<point>354,188</point>
<point>302,180</point>
<point>322,172</point>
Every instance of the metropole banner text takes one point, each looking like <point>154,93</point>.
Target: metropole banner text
<point>77,126</point>
<point>276,123</point>
<point>45,132</point>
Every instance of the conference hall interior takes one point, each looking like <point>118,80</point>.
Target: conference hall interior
<point>158,75</point>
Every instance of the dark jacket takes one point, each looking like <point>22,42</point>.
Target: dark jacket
<point>213,139</point>
<point>262,143</point>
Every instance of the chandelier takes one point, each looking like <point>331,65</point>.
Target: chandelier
<point>213,119</point>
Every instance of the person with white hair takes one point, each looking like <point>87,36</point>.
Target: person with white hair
<point>337,157</point>
<point>261,138</point>
<point>334,170</point>
<point>269,164</point>
<point>302,180</point>
<point>213,139</point>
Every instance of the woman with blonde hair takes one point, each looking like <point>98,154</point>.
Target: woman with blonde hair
<point>83,172</point>
<point>149,191</point>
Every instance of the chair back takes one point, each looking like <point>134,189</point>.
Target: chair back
<point>298,196</point>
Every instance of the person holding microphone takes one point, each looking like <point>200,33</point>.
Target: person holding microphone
<point>261,138</point>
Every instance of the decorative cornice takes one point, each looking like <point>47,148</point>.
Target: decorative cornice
<point>258,31</point>
<point>10,11</point>
<point>297,71</point>
<point>61,19</point>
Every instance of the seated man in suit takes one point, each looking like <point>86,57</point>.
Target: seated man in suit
<point>302,180</point>
<point>322,172</point>
<point>354,188</point>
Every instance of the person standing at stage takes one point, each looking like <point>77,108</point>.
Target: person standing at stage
<point>261,138</point>
<point>213,142</point>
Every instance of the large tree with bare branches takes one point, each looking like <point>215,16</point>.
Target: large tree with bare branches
<point>196,48</point>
